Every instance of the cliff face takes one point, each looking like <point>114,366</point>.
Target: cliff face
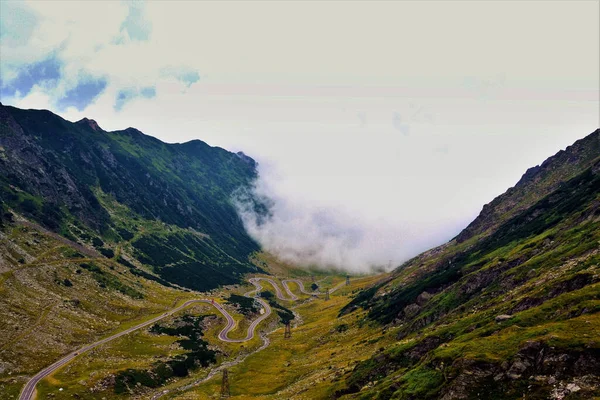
<point>508,309</point>
<point>93,186</point>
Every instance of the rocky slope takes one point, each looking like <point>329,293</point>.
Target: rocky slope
<point>509,308</point>
<point>132,197</point>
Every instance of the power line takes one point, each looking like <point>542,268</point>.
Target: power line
<point>225,391</point>
<point>288,331</point>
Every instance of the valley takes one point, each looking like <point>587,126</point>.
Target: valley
<point>126,272</point>
<point>57,379</point>
<point>29,389</point>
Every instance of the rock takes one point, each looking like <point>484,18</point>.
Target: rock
<point>423,298</point>
<point>411,310</point>
<point>469,374</point>
<point>503,317</point>
<point>517,369</point>
<point>571,387</point>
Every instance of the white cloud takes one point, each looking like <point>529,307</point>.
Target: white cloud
<point>408,113</point>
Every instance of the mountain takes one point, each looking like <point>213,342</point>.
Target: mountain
<point>101,231</point>
<point>508,309</point>
<point>536,183</point>
<point>158,208</point>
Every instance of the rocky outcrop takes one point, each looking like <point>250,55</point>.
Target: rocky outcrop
<point>536,371</point>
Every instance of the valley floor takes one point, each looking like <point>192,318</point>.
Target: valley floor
<point>321,349</point>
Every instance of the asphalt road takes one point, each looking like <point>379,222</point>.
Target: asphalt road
<point>292,296</point>
<point>28,391</point>
<point>303,290</point>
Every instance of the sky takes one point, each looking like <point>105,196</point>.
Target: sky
<point>380,128</point>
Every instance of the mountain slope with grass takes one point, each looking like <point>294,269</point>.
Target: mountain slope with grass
<point>133,198</point>
<point>100,231</point>
<point>508,309</point>
<point>57,295</point>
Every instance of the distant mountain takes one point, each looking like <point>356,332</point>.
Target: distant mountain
<point>145,203</point>
<point>509,309</point>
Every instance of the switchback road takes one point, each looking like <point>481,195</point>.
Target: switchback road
<point>28,392</point>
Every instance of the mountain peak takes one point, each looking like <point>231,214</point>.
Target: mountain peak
<point>90,123</point>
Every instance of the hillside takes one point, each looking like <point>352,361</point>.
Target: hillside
<point>103,231</point>
<point>507,309</point>
<point>56,295</point>
<point>163,207</point>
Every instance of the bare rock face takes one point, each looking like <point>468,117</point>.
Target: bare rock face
<point>503,317</point>
<point>91,124</point>
<point>548,373</point>
<point>518,368</point>
<point>471,374</point>
<point>423,298</point>
<point>411,309</point>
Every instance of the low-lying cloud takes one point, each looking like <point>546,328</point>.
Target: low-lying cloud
<point>314,234</point>
<point>370,148</point>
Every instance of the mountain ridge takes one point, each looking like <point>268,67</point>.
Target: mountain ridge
<point>56,172</point>
<point>510,309</point>
<point>104,228</point>
<point>559,167</point>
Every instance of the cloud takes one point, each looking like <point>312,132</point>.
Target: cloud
<point>136,26</point>
<point>49,54</point>
<point>82,95</point>
<point>148,92</point>
<point>382,145</point>
<point>399,125</point>
<point>124,96</point>
<point>307,231</point>
<point>186,75</point>
<point>17,23</point>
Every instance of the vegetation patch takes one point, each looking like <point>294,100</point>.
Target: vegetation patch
<point>191,261</point>
<point>110,281</point>
<point>199,355</point>
<point>246,305</point>
<point>285,315</point>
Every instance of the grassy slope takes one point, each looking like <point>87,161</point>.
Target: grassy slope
<point>540,267</point>
<point>311,363</point>
<point>65,176</point>
<point>90,375</point>
<point>44,318</point>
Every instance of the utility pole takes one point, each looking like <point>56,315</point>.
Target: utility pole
<point>347,280</point>
<point>288,331</point>
<point>327,294</point>
<point>225,392</point>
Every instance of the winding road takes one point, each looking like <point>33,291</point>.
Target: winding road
<point>28,392</point>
